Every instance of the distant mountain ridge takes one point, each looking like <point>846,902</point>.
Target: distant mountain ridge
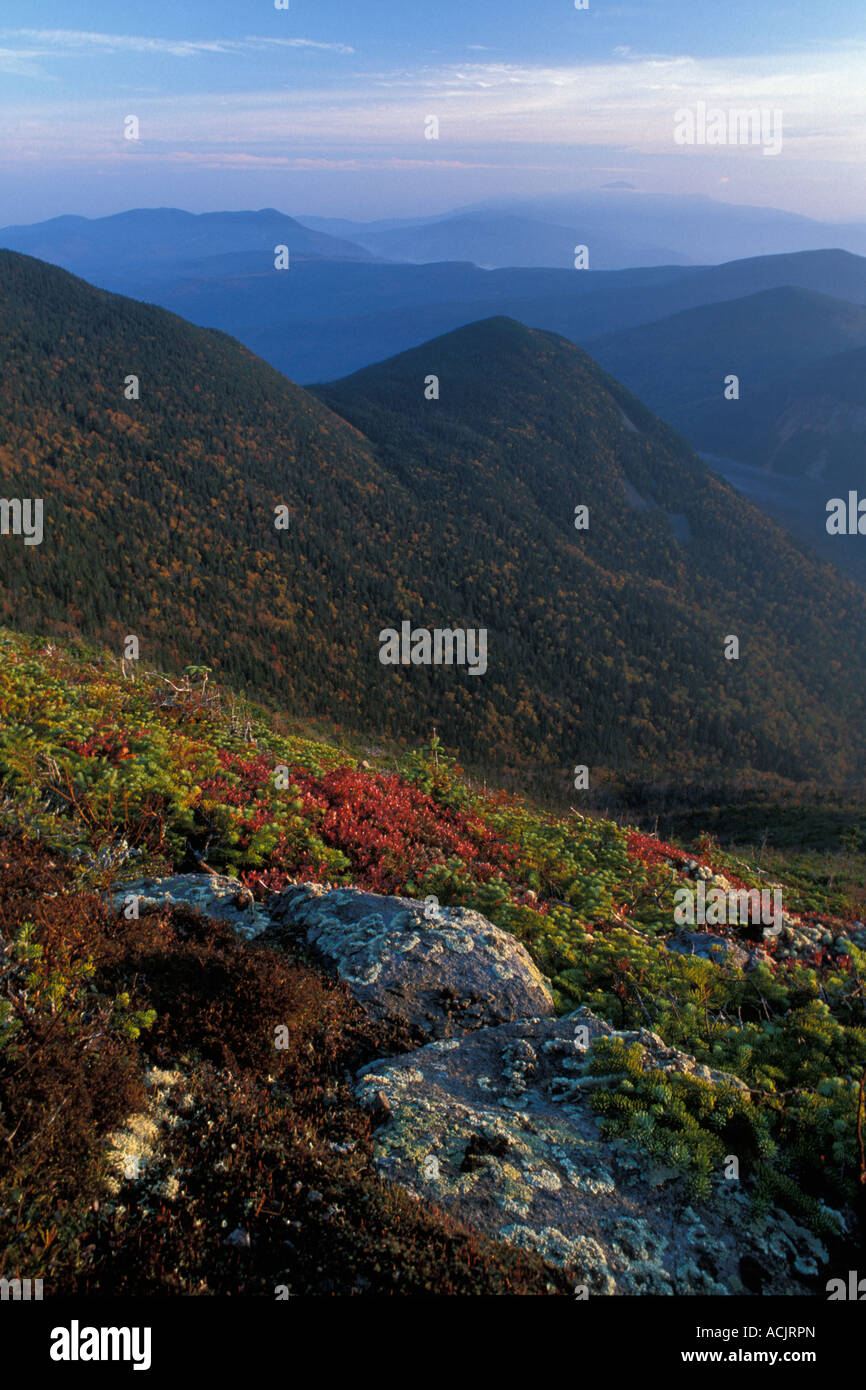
<point>622,226</point>
<point>144,241</point>
<point>499,240</point>
<point>338,308</point>
<point>800,409</point>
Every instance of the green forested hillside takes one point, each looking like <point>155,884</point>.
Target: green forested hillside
<point>679,365</point>
<point>604,645</point>
<point>809,423</point>
<point>633,612</point>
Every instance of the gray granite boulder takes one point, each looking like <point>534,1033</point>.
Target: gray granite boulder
<point>439,970</point>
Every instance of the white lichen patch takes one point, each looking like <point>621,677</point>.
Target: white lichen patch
<point>544,1178</point>
<point>134,1148</point>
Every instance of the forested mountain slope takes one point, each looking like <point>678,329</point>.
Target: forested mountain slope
<point>604,645</point>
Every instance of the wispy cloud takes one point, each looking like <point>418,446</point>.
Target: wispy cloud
<point>626,104</point>
<point>79,41</point>
<point>229,161</point>
<point>20,62</point>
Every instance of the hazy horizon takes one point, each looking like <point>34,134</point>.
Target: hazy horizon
<point>524,205</point>
<point>326,112</point>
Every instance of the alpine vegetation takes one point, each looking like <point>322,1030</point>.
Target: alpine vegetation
<point>734,906</point>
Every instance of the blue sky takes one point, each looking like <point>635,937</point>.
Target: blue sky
<point>321,108</point>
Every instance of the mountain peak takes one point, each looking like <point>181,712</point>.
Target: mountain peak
<point>453,509</point>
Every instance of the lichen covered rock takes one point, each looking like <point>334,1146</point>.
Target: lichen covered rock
<point>496,1127</point>
<point>210,894</point>
<point>441,970</point>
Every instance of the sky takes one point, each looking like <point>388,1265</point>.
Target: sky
<point>321,108</point>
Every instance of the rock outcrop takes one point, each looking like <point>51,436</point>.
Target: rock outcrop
<point>491,1116</point>
<point>796,937</point>
<point>495,1127</point>
<point>210,894</point>
<point>439,970</point>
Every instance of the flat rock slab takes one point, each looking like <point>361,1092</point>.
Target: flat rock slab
<point>210,894</point>
<point>441,971</point>
<point>496,1127</point>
